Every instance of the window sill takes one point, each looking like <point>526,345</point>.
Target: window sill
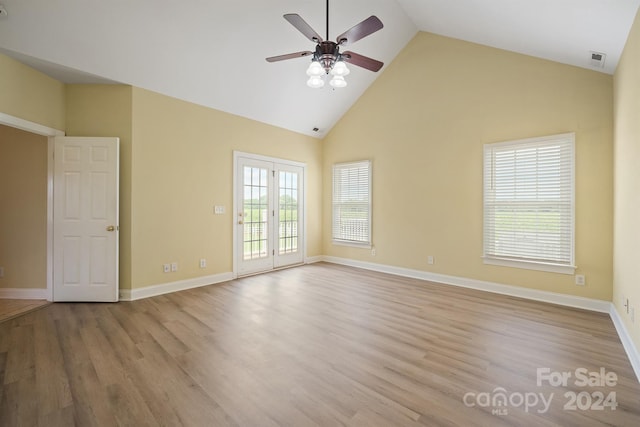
<point>352,244</point>
<point>531,265</point>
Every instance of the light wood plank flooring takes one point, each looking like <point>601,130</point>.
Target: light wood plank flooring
<point>315,345</point>
<point>10,308</point>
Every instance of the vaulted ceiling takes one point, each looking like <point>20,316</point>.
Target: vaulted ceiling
<point>212,52</point>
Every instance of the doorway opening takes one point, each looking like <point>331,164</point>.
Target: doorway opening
<point>50,133</point>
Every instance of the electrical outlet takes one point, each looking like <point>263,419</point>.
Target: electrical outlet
<point>166,268</point>
<point>430,260</point>
<point>203,263</point>
<point>174,267</point>
<point>218,210</point>
<point>373,251</point>
<point>580,280</point>
<point>1,272</point>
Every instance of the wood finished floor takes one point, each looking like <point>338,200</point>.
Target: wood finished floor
<point>10,308</point>
<point>315,345</point>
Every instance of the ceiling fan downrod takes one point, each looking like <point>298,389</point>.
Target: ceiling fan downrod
<point>327,53</point>
<point>327,20</point>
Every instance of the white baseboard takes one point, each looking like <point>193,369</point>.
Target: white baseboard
<point>515,291</point>
<point>627,342</point>
<point>180,285</point>
<point>26,293</point>
<point>313,259</point>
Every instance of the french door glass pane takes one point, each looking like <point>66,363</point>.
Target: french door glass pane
<point>288,207</point>
<point>256,209</point>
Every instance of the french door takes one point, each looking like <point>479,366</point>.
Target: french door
<point>269,214</point>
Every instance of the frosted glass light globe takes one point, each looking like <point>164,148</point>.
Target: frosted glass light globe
<point>338,81</point>
<point>340,69</point>
<point>315,82</point>
<point>315,69</point>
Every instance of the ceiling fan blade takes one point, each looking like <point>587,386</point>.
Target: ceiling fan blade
<point>302,26</point>
<point>361,30</point>
<point>289,56</point>
<point>362,61</point>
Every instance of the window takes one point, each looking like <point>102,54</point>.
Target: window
<point>352,203</point>
<point>529,203</point>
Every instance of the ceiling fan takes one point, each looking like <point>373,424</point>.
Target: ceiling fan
<point>327,58</point>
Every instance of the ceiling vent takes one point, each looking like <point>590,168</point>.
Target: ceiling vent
<point>597,59</point>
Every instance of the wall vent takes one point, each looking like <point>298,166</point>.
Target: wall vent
<point>597,59</point>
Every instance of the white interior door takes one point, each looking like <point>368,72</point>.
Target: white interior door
<point>85,219</point>
<point>270,214</point>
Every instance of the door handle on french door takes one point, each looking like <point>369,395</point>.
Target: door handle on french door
<point>111,228</point>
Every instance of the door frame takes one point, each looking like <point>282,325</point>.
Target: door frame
<point>236,156</point>
<point>50,133</point>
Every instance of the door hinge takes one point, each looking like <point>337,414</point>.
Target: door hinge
<point>273,252</point>
<point>273,174</point>
<point>273,213</point>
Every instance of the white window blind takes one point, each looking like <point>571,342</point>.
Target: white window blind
<point>352,203</point>
<point>529,201</point>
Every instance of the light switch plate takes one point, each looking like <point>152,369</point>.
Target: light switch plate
<point>218,210</point>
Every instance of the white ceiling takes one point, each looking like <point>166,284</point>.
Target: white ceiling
<point>211,52</point>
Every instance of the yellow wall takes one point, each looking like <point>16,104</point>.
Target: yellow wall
<point>423,123</point>
<point>176,164</point>
<point>30,95</point>
<point>182,166</point>
<point>627,182</point>
<point>23,209</point>
<point>105,110</point>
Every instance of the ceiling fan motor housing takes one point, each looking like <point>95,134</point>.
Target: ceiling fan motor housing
<point>327,53</point>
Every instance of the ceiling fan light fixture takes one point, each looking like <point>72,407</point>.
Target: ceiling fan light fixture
<point>338,82</point>
<point>315,82</point>
<point>340,69</point>
<point>315,69</point>
<point>327,58</point>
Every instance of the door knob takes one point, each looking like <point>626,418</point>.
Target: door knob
<point>111,228</point>
<point>241,222</point>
